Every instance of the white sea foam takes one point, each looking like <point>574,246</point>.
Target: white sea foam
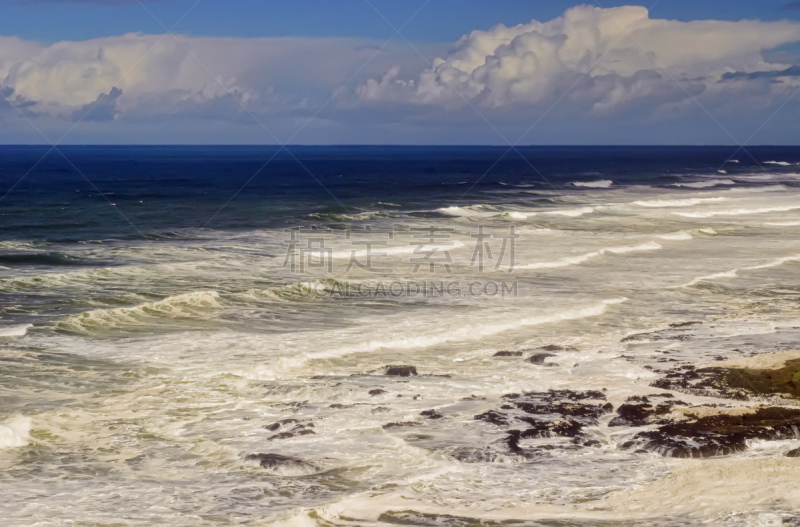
<point>784,224</point>
<point>15,432</point>
<point>706,184</point>
<point>735,273</point>
<point>736,212</point>
<point>477,211</point>
<point>188,305</point>
<point>468,331</point>
<point>606,183</point>
<point>779,163</point>
<point>15,331</point>
<point>758,190</point>
<point>572,213</point>
<point>520,215</point>
<point>376,250</point>
<point>583,258</point>
<point>665,203</point>
<point>676,236</point>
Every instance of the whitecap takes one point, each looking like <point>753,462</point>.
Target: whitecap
<point>706,184</point>
<point>15,432</point>
<point>676,236</point>
<point>188,305</point>
<point>15,331</point>
<point>605,183</point>
<point>582,258</point>
<point>779,163</point>
<point>665,203</point>
<point>736,212</point>
<point>572,213</point>
<point>378,250</point>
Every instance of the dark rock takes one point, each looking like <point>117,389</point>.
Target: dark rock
<point>793,453</point>
<point>496,418</point>
<point>431,414</point>
<point>377,391</point>
<point>388,426</point>
<point>552,347</point>
<point>473,455</point>
<point>539,358</point>
<point>380,409</point>
<point>640,414</point>
<point>718,435</point>
<point>279,462</point>
<point>508,354</point>
<point>273,427</point>
<point>400,371</point>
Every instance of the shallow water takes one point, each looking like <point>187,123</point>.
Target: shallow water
<point>148,343</point>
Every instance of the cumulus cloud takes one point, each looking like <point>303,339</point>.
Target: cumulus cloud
<point>135,75</point>
<point>612,57</point>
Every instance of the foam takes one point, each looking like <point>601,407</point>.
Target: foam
<point>762,361</point>
<point>706,184</point>
<point>779,163</point>
<point>676,236</point>
<point>15,432</point>
<point>736,212</point>
<point>477,211</point>
<point>713,488</point>
<point>180,306</point>
<point>582,258</point>
<point>784,224</point>
<point>605,183</point>
<point>572,213</point>
<point>467,331</point>
<point>389,251</point>
<point>15,331</point>
<point>663,203</point>
<point>735,273</point>
<point>769,188</point>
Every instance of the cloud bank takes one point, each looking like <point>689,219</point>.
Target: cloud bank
<point>598,63</point>
<point>612,57</point>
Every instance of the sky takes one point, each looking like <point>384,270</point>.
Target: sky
<point>399,72</point>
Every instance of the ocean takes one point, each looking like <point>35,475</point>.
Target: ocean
<point>340,336</point>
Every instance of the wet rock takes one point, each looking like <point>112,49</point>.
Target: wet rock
<point>400,371</point>
<point>379,410</point>
<point>718,435</point>
<point>539,358</point>
<point>793,453</point>
<point>377,391</point>
<point>298,430</point>
<point>734,383</point>
<point>555,347</point>
<point>496,418</point>
<point>642,414</point>
<point>474,455</point>
<point>431,414</point>
<point>557,413</point>
<point>508,354</point>
<point>277,462</point>
<point>389,426</point>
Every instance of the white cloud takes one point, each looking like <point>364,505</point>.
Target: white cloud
<point>159,75</point>
<point>536,62</point>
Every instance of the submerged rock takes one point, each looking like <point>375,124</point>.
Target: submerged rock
<point>400,371</point>
<point>557,413</point>
<point>718,435</point>
<point>539,358</point>
<point>283,465</point>
<point>508,354</point>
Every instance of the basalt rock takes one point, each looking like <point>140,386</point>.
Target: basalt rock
<point>539,358</point>
<point>557,413</point>
<point>508,354</point>
<point>400,371</point>
<point>717,435</point>
<point>285,464</point>
<point>638,411</point>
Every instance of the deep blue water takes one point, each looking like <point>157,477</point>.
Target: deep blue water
<point>162,190</point>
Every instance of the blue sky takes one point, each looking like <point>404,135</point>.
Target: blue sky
<point>55,20</point>
<point>323,71</point>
